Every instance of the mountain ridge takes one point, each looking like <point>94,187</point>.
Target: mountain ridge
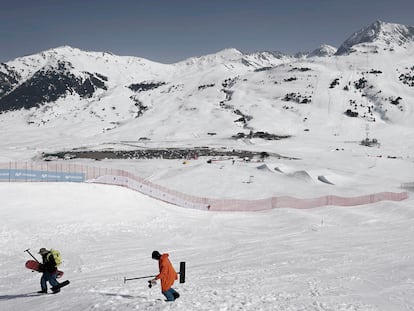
<point>229,94</point>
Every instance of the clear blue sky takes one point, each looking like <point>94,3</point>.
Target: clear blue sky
<point>172,30</point>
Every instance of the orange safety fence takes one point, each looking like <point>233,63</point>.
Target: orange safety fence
<point>60,171</point>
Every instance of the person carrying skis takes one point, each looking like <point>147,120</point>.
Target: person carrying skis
<point>167,276</point>
<point>49,271</point>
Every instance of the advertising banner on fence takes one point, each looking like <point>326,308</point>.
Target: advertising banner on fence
<point>31,175</point>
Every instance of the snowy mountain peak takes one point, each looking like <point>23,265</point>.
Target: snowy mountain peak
<point>220,57</point>
<point>229,52</point>
<point>323,50</point>
<point>232,58</point>
<point>64,49</point>
<point>378,34</point>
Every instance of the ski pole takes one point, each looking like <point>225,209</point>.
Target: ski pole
<point>181,273</point>
<point>141,277</point>
<point>28,251</point>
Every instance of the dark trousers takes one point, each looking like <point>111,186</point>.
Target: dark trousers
<point>48,277</point>
<point>171,294</point>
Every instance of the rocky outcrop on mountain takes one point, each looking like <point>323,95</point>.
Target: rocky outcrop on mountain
<point>408,77</point>
<point>145,86</point>
<point>8,79</point>
<point>48,85</point>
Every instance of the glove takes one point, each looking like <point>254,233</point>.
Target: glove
<point>41,268</point>
<point>152,282</point>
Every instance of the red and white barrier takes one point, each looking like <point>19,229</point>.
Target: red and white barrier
<point>290,202</point>
<point>136,183</point>
<point>184,200</point>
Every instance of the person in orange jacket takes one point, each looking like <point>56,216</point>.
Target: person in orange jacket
<point>167,276</point>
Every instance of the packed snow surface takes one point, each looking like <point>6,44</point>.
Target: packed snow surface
<point>330,258</point>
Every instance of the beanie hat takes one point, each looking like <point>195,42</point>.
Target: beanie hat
<point>156,255</point>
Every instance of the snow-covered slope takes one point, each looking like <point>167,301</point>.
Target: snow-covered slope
<point>324,259</point>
